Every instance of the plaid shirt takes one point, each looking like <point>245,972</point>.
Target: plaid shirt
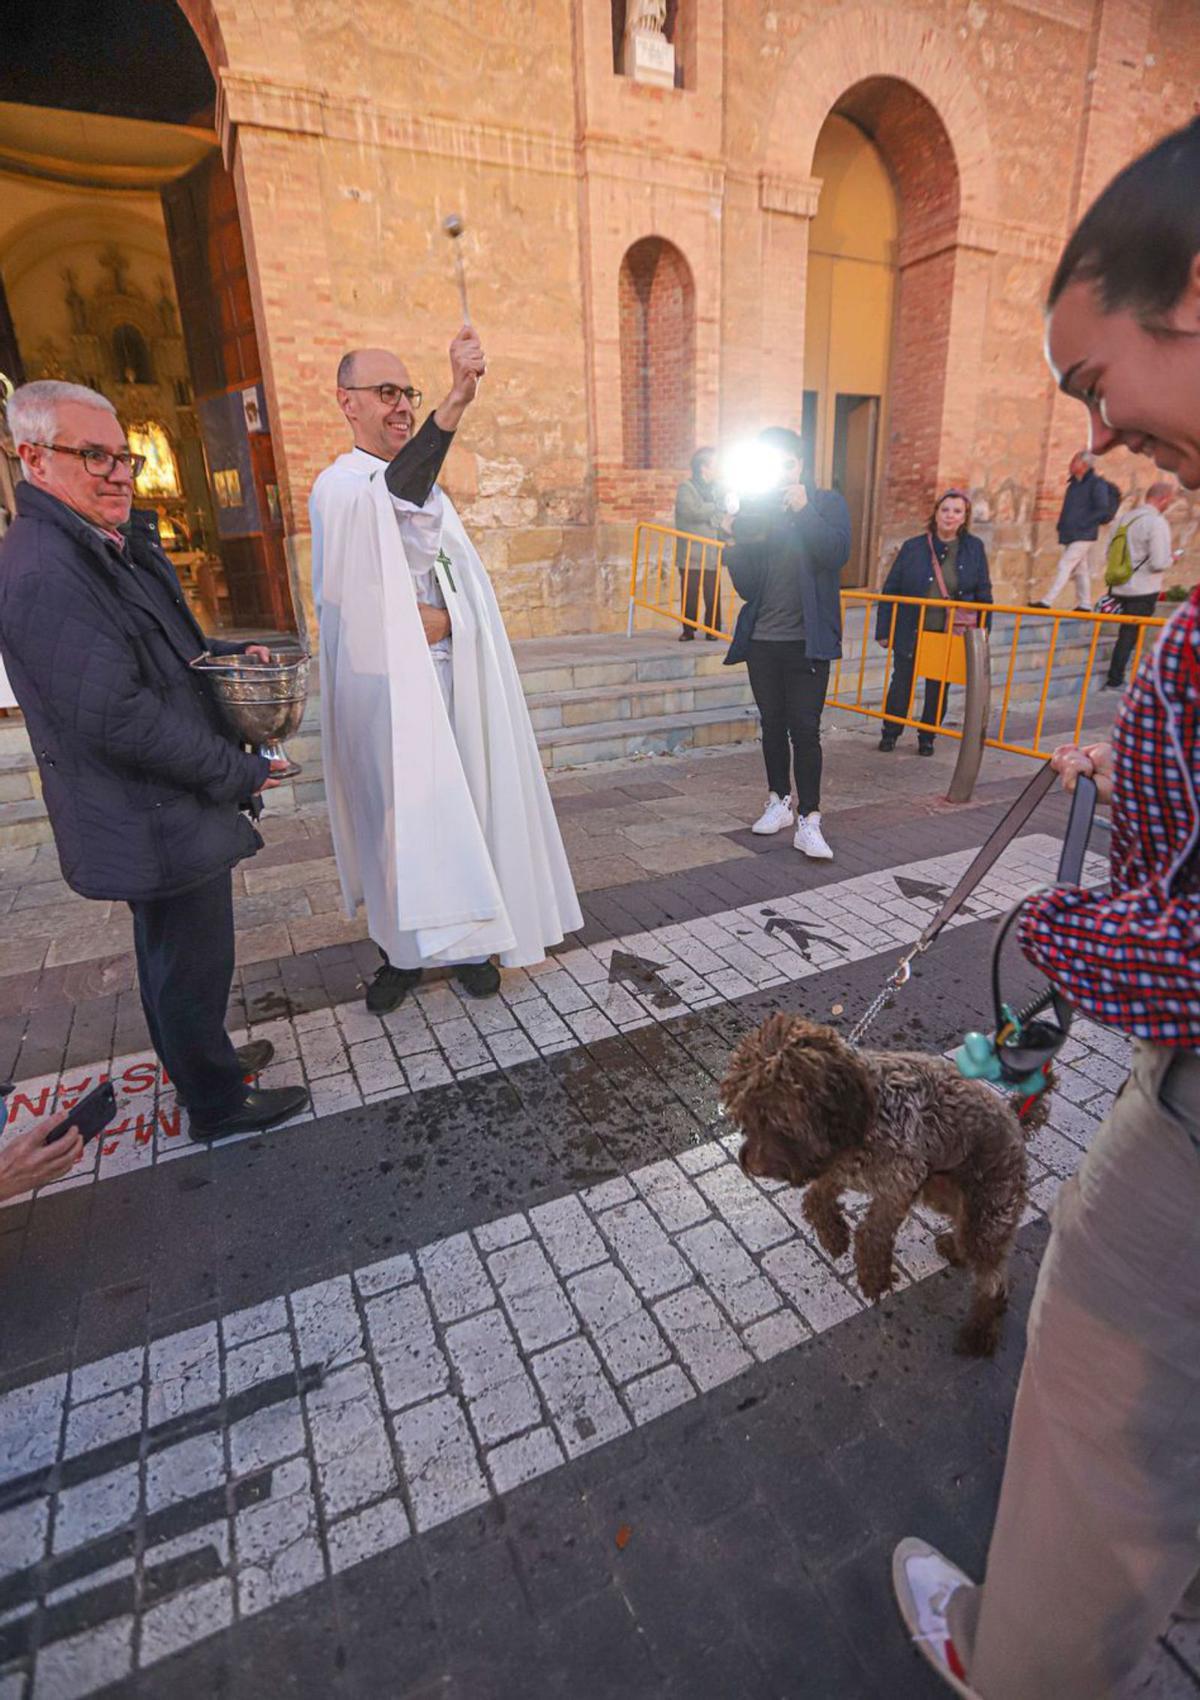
<point>1129,956</point>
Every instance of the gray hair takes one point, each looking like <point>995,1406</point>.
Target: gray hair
<point>32,412</point>
<point>1085,455</point>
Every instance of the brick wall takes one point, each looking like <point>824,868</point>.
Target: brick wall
<point>658,385</point>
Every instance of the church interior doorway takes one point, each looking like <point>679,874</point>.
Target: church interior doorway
<point>848,322</point>
<point>122,267</point>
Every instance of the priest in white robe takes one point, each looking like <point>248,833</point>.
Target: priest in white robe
<point>441,817</point>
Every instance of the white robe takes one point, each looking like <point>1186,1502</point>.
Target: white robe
<point>444,830</point>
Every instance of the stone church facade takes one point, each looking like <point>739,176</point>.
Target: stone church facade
<point>638,255</point>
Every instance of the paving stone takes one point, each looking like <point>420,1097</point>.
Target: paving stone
<point>266,1437</point>
<point>774,1334</point>
<point>439,1460</point>
<point>366,1533</point>
<point>81,1664</point>
<point>426,1070</point>
<point>350,1443</point>
<point>520,1460</point>
<point>460,1040</point>
<point>185,1618</point>
<point>698,1158</point>
<point>457,1282</point>
<point>505,1409</point>
<point>653,1264</point>
<point>259,1360</point>
<point>753,1218</point>
<point>23,1535</point>
<point>608,1193</point>
<point>90,1381</point>
<point>382,1277</point>
<point>725,1268</point>
<point>279,1553</point>
<point>102,1420</point>
<point>239,1326</point>
<point>710,1349</point>
<point>96,1507</point>
<point>506,1231</point>
<point>184,1372</point>
<point>182,1471</point>
<point>568,1235</point>
<point>810,1285</point>
<point>328,1328</point>
<point>375,1066</point>
<point>483,1352</point>
<point>323,1050</point>
<point>581,1401</point>
<point>653,1395</point>
<point>30,1426</point>
<point>412,1366</point>
<point>671,1196</point>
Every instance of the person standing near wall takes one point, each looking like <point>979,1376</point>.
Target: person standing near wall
<point>789,548</point>
<point>1088,503</point>
<point>1148,541</point>
<point>698,511</point>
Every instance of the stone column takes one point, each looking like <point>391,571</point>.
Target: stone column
<point>788,205</point>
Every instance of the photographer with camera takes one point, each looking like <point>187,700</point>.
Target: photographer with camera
<point>790,544</point>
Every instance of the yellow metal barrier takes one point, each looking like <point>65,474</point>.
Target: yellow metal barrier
<point>667,575</point>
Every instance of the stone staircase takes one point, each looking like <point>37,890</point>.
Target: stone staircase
<point>607,697</point>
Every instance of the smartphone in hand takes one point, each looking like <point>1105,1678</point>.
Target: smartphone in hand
<point>91,1115</point>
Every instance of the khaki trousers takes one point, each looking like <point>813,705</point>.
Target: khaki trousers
<point>1097,1534</point>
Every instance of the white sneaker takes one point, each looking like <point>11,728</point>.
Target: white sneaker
<point>924,1581</point>
<point>775,817</point>
<point>810,840</point>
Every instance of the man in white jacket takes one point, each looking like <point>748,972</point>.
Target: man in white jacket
<point>1149,539</point>
<point>441,818</point>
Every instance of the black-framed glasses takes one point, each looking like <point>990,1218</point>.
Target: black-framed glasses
<point>101,463</point>
<point>389,394</point>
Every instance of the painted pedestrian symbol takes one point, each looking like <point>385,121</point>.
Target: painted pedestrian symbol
<point>800,933</point>
<point>645,976</point>
<point>922,890</point>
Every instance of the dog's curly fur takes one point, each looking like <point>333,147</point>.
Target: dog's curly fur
<point>899,1126</point>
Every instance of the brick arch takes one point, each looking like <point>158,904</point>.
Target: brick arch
<point>657,306</point>
<point>864,46</point>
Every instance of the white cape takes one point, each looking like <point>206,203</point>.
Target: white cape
<point>445,832</point>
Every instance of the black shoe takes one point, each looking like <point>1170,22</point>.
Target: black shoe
<point>260,1108</point>
<point>255,1056</point>
<point>924,749</point>
<point>687,637</point>
<point>1039,605</point>
<point>1083,608</point>
<point>1113,685</point>
<point>390,987</point>
<point>887,745</point>
<point>710,637</point>
<point>478,979</point>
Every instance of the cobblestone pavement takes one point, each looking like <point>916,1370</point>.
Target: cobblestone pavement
<point>496,1377</point>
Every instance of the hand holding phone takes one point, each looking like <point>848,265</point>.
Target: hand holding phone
<point>91,1114</point>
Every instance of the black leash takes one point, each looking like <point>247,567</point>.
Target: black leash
<point>986,857</point>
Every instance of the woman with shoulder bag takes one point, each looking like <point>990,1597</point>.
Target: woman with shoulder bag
<point>945,562</point>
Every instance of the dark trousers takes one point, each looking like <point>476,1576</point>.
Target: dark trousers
<point>1127,636</point>
<point>689,590</point>
<point>789,689</point>
<point>184,951</point>
<point>936,692</point>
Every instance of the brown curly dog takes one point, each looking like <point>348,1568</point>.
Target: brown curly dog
<point>899,1126</point>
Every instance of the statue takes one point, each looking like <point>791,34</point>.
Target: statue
<point>646,17</point>
<point>648,57</point>
<point>76,306</point>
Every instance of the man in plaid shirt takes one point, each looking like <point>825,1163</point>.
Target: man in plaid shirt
<point>1097,1535</point>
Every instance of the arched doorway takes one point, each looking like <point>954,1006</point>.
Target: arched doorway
<point>848,324</point>
<point>122,267</point>
<point>658,335</point>
<point>881,293</point>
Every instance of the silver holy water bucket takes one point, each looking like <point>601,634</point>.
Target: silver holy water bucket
<point>262,702</point>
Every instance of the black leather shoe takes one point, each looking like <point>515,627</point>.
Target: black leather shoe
<point>887,745</point>
<point>260,1108</point>
<point>1039,605</point>
<point>687,637</point>
<point>255,1056</point>
<point>924,749</point>
<point>390,987</point>
<point>478,979</point>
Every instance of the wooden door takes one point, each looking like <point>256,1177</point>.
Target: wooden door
<point>213,286</point>
<point>856,434</point>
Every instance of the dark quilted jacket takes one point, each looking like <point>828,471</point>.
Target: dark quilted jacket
<point>143,785</point>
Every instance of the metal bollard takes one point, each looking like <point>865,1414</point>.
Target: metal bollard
<point>976,709</point>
